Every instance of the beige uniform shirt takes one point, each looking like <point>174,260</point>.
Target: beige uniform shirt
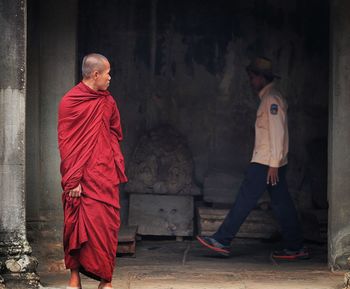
<point>271,129</point>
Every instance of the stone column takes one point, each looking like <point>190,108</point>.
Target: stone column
<point>17,267</point>
<point>339,137</point>
<point>52,56</point>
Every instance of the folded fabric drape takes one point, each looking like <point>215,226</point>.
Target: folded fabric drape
<point>89,133</point>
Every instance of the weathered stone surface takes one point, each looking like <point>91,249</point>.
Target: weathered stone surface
<point>21,264</point>
<point>14,244</point>
<point>347,280</point>
<point>314,223</point>
<point>12,106</point>
<point>17,266</point>
<point>161,215</point>
<point>2,282</point>
<point>21,281</point>
<point>13,45</point>
<point>50,253</point>
<point>262,224</point>
<point>51,72</point>
<point>205,95</point>
<point>56,266</point>
<point>221,187</point>
<point>339,137</point>
<point>197,80</point>
<point>127,240</point>
<point>12,126</point>
<point>259,224</point>
<point>162,164</point>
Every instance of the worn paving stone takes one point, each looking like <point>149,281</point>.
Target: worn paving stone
<point>159,265</point>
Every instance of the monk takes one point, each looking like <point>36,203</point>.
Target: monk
<point>92,167</point>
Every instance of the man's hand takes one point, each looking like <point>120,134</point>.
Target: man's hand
<point>272,176</point>
<point>76,192</point>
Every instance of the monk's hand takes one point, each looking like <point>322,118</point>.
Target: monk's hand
<point>272,176</point>
<point>76,192</point>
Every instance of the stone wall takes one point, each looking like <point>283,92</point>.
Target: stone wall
<point>182,63</point>
<point>339,138</point>
<point>51,73</point>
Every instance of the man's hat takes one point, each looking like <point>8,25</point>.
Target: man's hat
<point>262,65</point>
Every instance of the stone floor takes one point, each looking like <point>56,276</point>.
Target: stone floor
<point>185,265</point>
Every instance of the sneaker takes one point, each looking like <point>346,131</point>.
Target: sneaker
<point>290,255</point>
<point>214,245</point>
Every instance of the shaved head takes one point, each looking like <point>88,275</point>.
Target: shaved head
<point>93,62</point>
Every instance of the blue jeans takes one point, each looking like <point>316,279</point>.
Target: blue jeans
<point>252,188</point>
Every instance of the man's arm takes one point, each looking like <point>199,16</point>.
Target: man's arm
<point>277,119</point>
<point>115,126</point>
<point>117,136</point>
<point>272,176</point>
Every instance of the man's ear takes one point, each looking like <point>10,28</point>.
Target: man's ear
<point>95,74</point>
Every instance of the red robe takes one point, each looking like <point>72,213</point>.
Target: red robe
<point>89,133</point>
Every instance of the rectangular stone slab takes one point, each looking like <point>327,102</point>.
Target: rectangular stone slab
<point>161,215</point>
<point>127,240</point>
<point>259,224</point>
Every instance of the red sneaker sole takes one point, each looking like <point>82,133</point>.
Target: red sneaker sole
<point>226,252</point>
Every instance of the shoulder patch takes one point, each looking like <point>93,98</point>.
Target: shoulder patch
<point>274,109</point>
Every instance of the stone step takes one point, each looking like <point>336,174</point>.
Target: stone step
<point>259,224</point>
<point>127,240</point>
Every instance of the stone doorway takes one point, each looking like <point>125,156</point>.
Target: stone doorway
<point>174,69</point>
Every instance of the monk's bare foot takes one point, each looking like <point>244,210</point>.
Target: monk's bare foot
<point>74,280</point>
<point>105,284</point>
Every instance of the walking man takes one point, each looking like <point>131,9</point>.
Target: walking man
<point>267,171</point>
<point>92,167</point>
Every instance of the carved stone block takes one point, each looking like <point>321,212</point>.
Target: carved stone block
<point>162,164</point>
<point>161,215</point>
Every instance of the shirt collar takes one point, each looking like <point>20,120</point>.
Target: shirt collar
<point>266,90</point>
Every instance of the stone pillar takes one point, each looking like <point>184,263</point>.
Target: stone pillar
<point>52,48</point>
<point>17,267</point>
<point>57,69</point>
<point>339,137</point>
